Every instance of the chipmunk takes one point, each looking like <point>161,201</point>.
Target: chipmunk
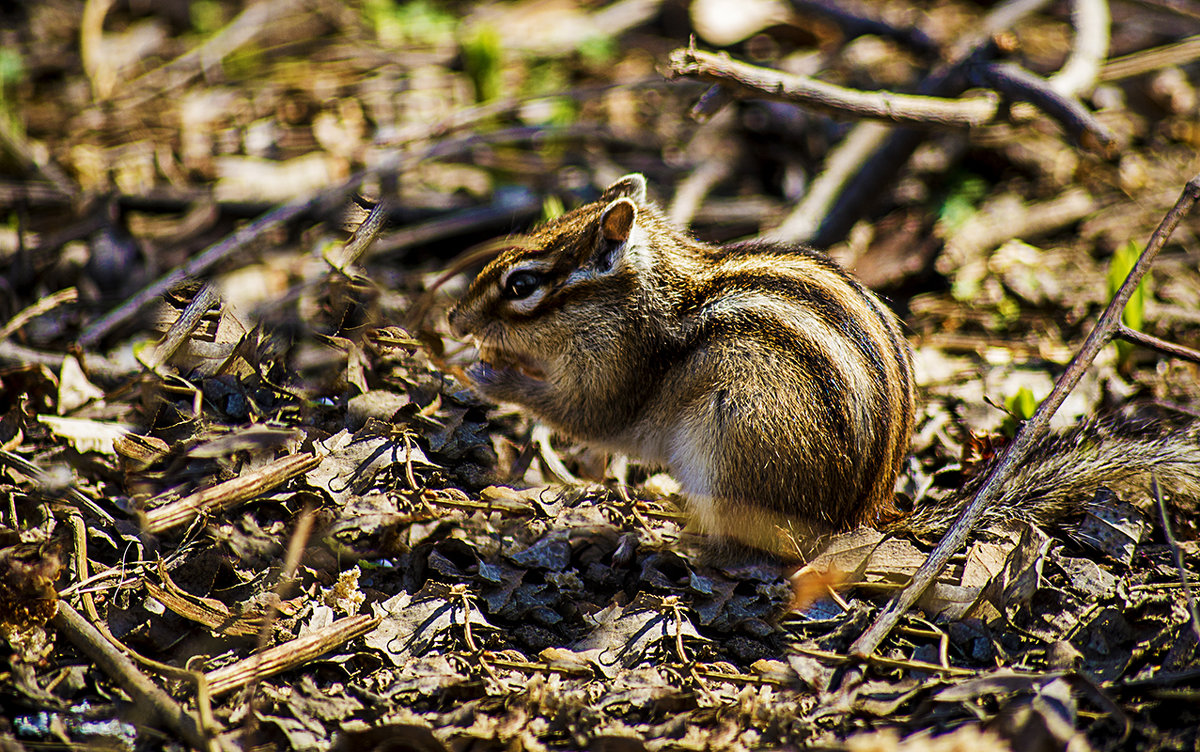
<point>774,386</point>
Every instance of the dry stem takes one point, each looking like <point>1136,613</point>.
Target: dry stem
<point>288,655</point>
<point>225,496</point>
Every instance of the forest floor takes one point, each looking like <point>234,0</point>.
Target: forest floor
<point>249,501</point>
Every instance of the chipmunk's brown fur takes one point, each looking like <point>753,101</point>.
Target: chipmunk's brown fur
<point>774,386</point>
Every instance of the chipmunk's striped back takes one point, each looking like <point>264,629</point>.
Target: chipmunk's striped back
<point>839,401</point>
<point>776,388</point>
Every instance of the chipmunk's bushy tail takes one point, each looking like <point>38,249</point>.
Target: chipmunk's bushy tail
<point>1066,468</point>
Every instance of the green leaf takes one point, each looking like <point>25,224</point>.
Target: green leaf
<point>552,207</point>
<point>419,23</point>
<point>961,200</point>
<point>1134,315</point>
<point>1022,404</point>
<point>483,58</point>
<point>1020,407</point>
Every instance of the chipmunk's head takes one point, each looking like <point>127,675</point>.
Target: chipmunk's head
<point>554,293</point>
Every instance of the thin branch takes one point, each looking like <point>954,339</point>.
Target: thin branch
<point>299,207</point>
<point>765,83</point>
<point>94,365</point>
<point>215,254</point>
<point>712,162</point>
<point>1079,74</point>
<point>711,102</point>
<point>361,239</point>
<point>1016,83</point>
<point>1017,451</point>
<point>856,23</point>
<point>1178,554</point>
<point>226,496</point>
<point>71,624</point>
<point>871,154</point>
<point>1184,8</point>
<point>290,654</point>
<point>45,485</point>
<point>1152,59</point>
<point>42,306</point>
<point>842,163</point>
<point>179,332</point>
<point>1151,342</point>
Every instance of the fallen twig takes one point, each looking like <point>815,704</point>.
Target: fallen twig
<point>205,298</point>
<point>1015,453</point>
<point>71,624</point>
<point>44,305</point>
<point>225,496</point>
<point>1176,552</point>
<point>871,153</point>
<point>1092,23</point>
<point>299,207</point>
<point>93,364</point>
<point>1016,83</point>
<point>1150,342</point>
<point>765,83</point>
<point>38,475</point>
<point>360,240</point>
<point>1144,61</point>
<point>208,726</point>
<point>213,255</point>
<point>856,24</point>
<point>288,655</point>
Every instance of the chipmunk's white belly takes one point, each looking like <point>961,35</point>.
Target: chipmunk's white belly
<point>691,460</point>
<point>688,453</point>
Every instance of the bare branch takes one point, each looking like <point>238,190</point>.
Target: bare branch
<point>1101,335</point>
<point>1088,51</point>
<point>856,23</point>
<point>1177,553</point>
<point>753,81</point>
<point>1016,83</point>
<point>1154,58</point>
<point>71,624</point>
<point>1151,342</point>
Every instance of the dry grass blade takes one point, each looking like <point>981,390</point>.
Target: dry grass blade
<point>48,303</point>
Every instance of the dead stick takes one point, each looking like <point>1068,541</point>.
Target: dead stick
<point>765,83</point>
<point>1016,83</point>
<point>288,655</point>
<point>225,496</point>
<point>1151,342</point>
<point>855,23</point>
<point>1151,59</point>
<point>71,624</point>
<point>1018,450</point>
<point>1093,32</point>
<point>1177,553</point>
<point>874,154</point>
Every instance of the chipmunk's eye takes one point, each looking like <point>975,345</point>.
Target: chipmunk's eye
<point>521,284</point>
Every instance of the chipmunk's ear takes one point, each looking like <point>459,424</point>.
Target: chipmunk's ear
<point>618,222</point>
<point>632,186</point>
